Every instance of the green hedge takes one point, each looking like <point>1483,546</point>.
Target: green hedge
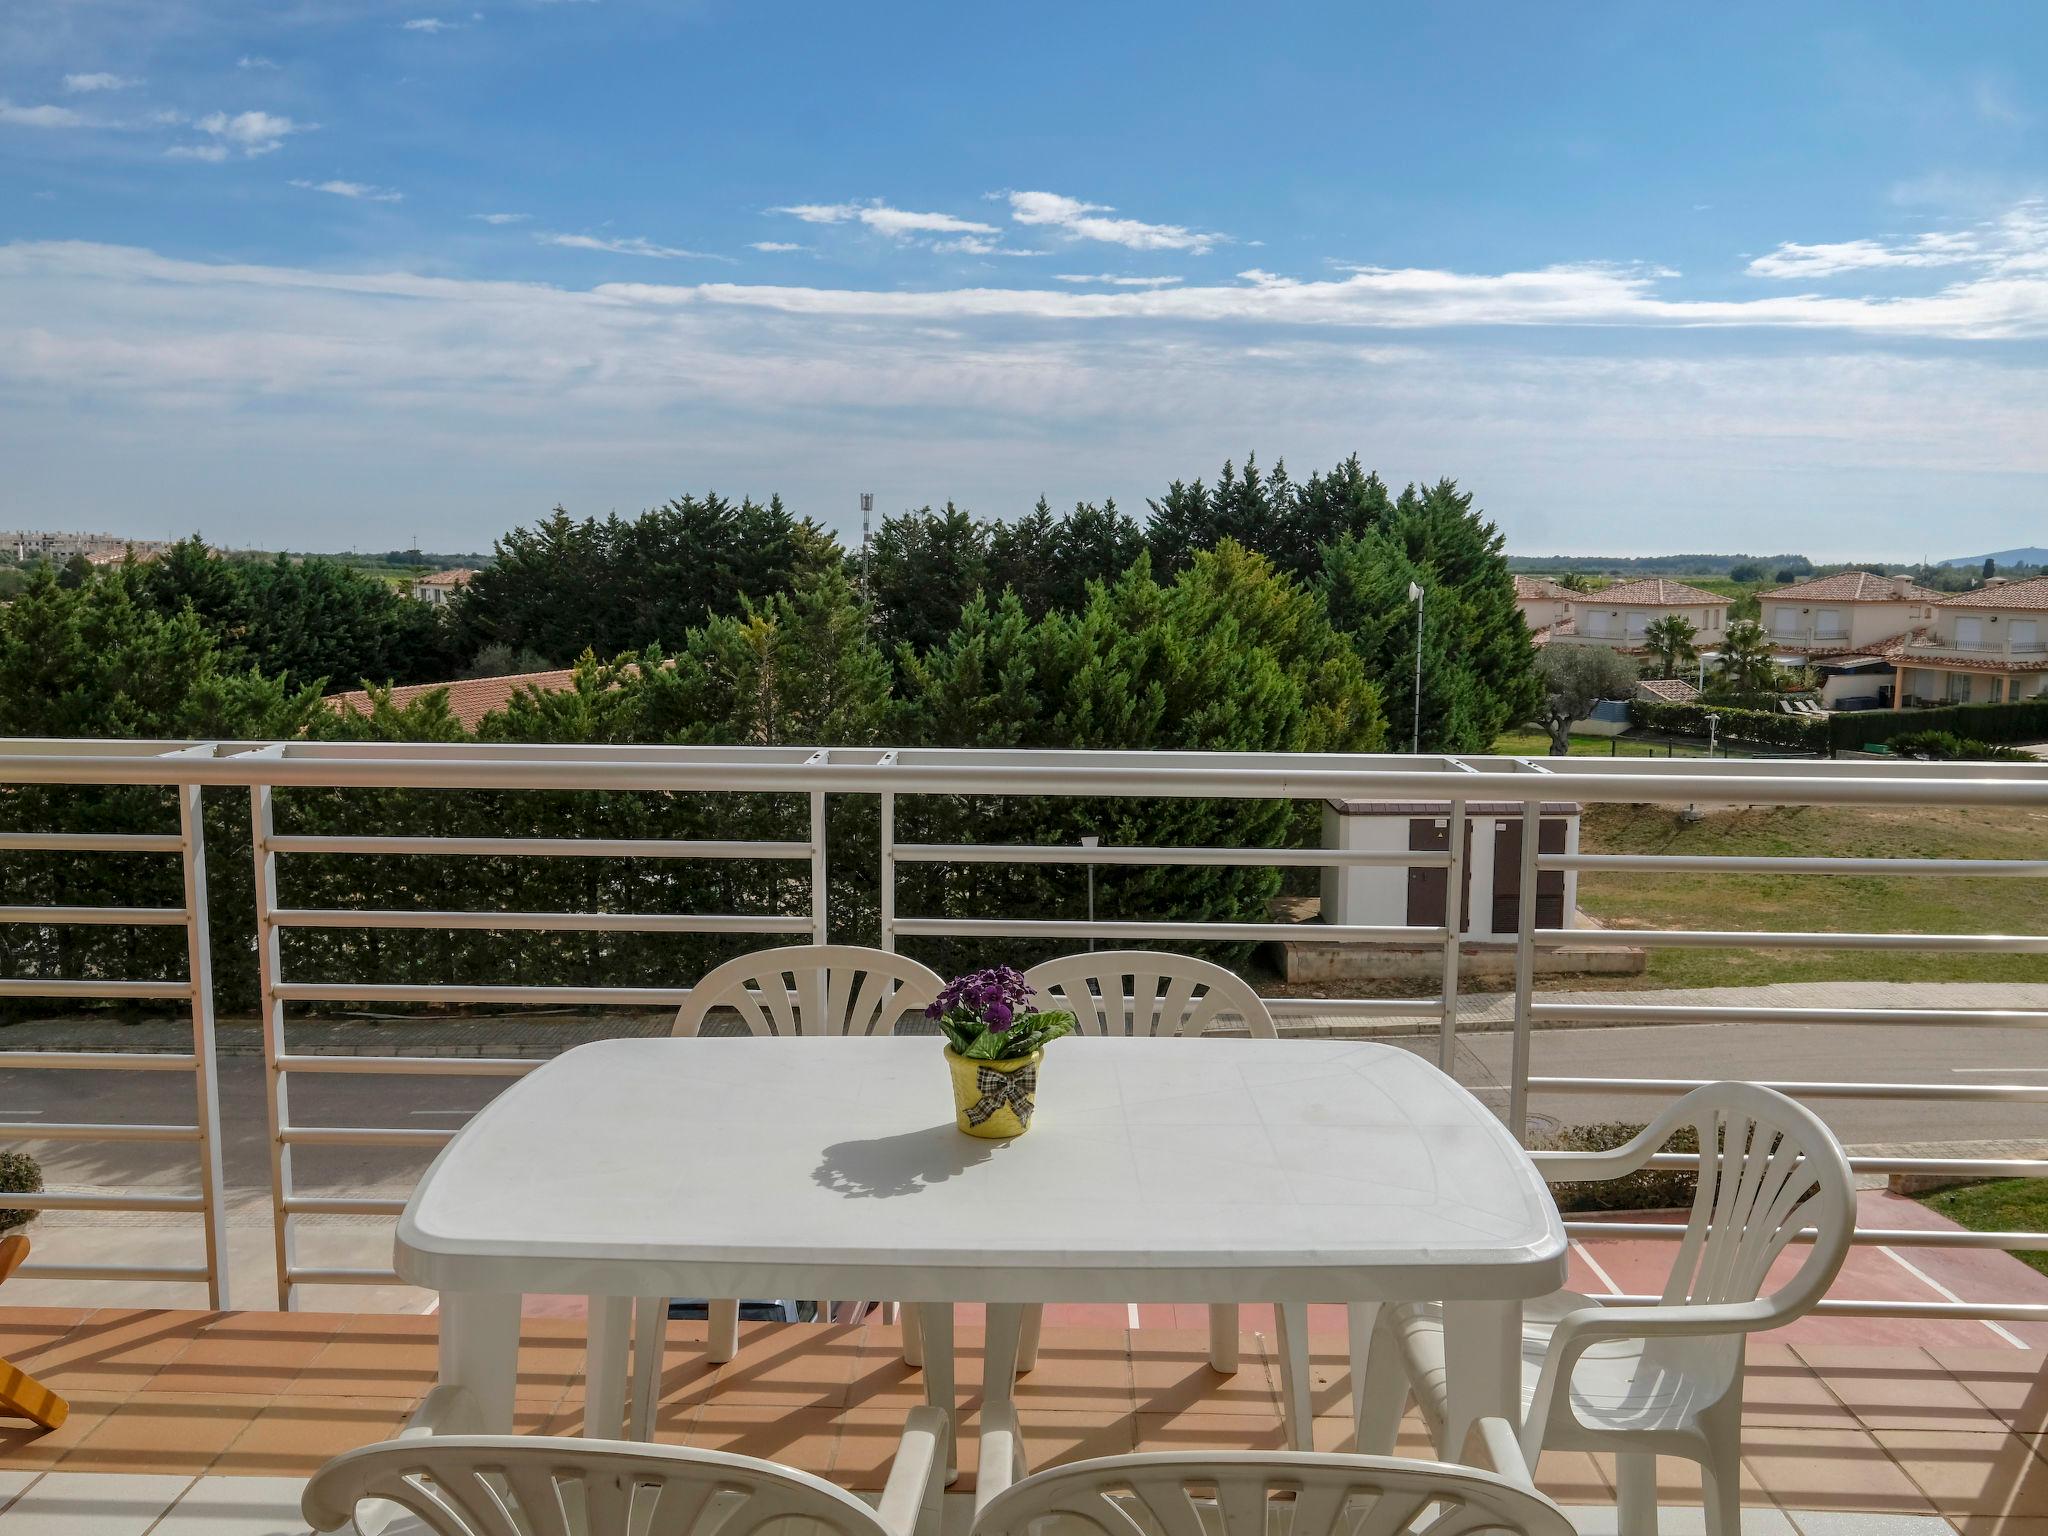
<point>1758,727</point>
<point>1647,1189</point>
<point>2026,720</point>
<point>20,1174</point>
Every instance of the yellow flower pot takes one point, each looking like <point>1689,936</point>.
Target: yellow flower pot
<point>995,1099</point>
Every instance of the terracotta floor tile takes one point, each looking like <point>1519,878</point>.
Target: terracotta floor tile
<point>295,1436</point>
<point>789,1366</point>
<point>1678,1480</point>
<point>1170,1375</point>
<point>257,1353</point>
<point>880,1379</point>
<point>115,1349</point>
<point>1976,1474</point>
<point>1781,1389</point>
<point>1078,1371</point>
<point>1053,1438</point>
<point>797,1437</point>
<point>1209,1432</point>
<point>1842,1469</point>
<point>24,1445</point>
<point>163,1433</point>
<point>2012,1383</point>
<point>1897,1389</point>
<point>371,1358</point>
<point>868,1438</point>
<point>1338,1434</point>
<point>1572,1477</point>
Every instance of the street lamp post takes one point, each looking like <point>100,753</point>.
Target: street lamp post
<point>1415,734</point>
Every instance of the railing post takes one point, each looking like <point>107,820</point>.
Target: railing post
<point>1525,970</point>
<point>887,892</point>
<point>268,962</point>
<point>1454,933</point>
<point>206,1071</point>
<point>820,916</point>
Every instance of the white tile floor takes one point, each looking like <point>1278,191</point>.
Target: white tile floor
<point>114,1504</point>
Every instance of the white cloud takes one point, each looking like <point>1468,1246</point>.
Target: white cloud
<point>1084,221</point>
<point>256,61</point>
<point>41,116</point>
<point>634,245</point>
<point>428,24</point>
<point>99,81</point>
<point>253,133</point>
<point>897,223</point>
<point>1114,280</point>
<point>775,246</point>
<point>1793,260</point>
<point>502,218</point>
<point>357,190</point>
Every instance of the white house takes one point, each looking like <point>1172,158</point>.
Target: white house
<point>1986,646</point>
<point>1621,614</point>
<point>1544,604</point>
<point>440,588</point>
<point>1852,611</point>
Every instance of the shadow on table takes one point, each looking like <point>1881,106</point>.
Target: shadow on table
<point>881,1167</point>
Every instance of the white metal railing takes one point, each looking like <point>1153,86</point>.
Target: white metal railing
<point>889,776</point>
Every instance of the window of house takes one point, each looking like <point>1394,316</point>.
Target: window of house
<point>1596,624</point>
<point>1959,687</point>
<point>1785,621</point>
<point>1637,623</point>
<point>1969,633</point>
<point>2024,635</point>
<point>1827,624</point>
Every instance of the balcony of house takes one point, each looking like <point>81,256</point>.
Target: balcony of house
<point>320,966</point>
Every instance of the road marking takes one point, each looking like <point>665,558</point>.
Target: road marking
<point>20,1111</point>
<point>1594,1265</point>
<point>440,1111</point>
<point>1131,1311</point>
<point>1948,1295</point>
<point>1998,1069</point>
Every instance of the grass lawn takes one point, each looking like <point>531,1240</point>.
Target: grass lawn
<point>2005,1205</point>
<point>1819,903</point>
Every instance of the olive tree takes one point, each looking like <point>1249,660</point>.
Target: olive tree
<point>1575,678</point>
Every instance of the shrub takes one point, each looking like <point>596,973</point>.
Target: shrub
<point>20,1174</point>
<point>2019,721</point>
<point>1948,747</point>
<point>1647,1189</point>
<point>1758,727</point>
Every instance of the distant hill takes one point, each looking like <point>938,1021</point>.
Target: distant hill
<point>2033,554</point>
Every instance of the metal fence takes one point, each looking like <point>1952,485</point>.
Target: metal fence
<point>262,770</point>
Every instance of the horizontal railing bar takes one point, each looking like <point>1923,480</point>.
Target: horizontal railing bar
<point>1721,1013</point>
<point>57,1200</point>
<point>91,842</point>
<point>2012,1093</point>
<point>1334,933</point>
<point>28,986</point>
<point>1900,1237</point>
<point>1970,1311</point>
<point>1059,774</point>
<point>1740,864</point>
<point>126,917</point>
<point>63,1131</point>
<point>1955,1167</point>
<point>1048,853</point>
<point>341,1205</point>
<point>1356,1007</point>
<point>1671,938</point>
<point>34,1271</point>
<point>345,1277</point>
<point>427,992</point>
<point>410,1066</point>
<point>547,847</point>
<point>362,1136</point>
<point>540,922</point>
<point>97,1061</point>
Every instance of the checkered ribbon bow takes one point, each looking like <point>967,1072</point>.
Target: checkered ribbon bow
<point>998,1089</point>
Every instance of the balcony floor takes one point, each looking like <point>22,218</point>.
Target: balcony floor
<point>190,1422</point>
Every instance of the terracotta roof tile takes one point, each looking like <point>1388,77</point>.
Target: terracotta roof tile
<point>469,700</point>
<point>1655,589</point>
<point>1534,589</point>
<point>2012,594</point>
<point>1672,690</point>
<point>1855,587</point>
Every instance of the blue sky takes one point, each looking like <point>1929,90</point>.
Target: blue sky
<point>330,274</point>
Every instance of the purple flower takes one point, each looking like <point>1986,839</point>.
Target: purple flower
<point>998,1015</point>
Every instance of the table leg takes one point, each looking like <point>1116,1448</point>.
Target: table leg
<point>935,1333</point>
<point>1003,1341</point>
<point>480,1352</point>
<point>604,1396</point>
<point>1483,1358</point>
<point>1297,1412</point>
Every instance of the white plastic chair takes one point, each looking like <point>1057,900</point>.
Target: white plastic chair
<point>515,1485</point>
<point>1145,992</point>
<point>795,990</point>
<point>1645,1381</point>
<point>1258,1493</point>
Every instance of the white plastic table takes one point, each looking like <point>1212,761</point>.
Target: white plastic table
<point>1160,1170</point>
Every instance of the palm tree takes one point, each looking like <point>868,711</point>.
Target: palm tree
<point>1746,665</point>
<point>1669,642</point>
